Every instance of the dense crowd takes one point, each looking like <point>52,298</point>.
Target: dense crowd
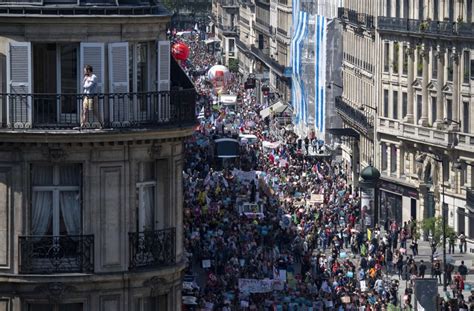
<point>299,245</point>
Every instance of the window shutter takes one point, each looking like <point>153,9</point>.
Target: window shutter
<point>163,81</point>
<point>164,65</point>
<point>119,82</point>
<point>93,54</point>
<point>19,83</point>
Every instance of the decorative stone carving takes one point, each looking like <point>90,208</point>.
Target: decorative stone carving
<point>158,286</point>
<point>155,151</point>
<point>55,154</point>
<point>55,291</point>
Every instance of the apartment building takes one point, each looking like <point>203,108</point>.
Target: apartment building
<point>425,122</point>
<point>91,217</point>
<point>357,105</point>
<point>225,17</point>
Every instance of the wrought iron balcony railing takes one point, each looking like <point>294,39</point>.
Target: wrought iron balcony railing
<point>56,254</point>
<point>429,27</point>
<point>354,116</point>
<point>112,110</point>
<point>358,19</point>
<point>151,249</point>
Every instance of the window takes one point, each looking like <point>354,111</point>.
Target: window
<point>449,109</point>
<point>146,191</point>
<point>398,8</point>
<point>404,104</point>
<point>436,10</point>
<point>420,9</point>
<point>434,66</point>
<point>469,11</point>
<point>56,307</point>
<point>445,173</point>
<point>384,157</point>
<point>465,117</point>
<point>395,105</point>
<point>152,303</point>
<point>393,159</point>
<point>466,65</point>
<point>419,66</point>
<point>433,109</point>
<point>386,57</point>
<point>389,8</point>
<point>385,103</point>
<point>450,66</point>
<point>395,60</point>
<point>56,202</point>
<point>405,60</point>
<point>419,103</point>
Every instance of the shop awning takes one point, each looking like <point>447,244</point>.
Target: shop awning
<point>347,132</point>
<point>211,40</point>
<point>278,107</point>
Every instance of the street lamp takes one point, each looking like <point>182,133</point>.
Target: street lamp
<point>443,217</point>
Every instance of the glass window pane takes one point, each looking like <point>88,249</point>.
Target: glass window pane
<point>70,175</point>
<point>42,175</point>
<point>70,213</point>
<point>42,213</point>
<point>69,76</point>
<point>147,171</point>
<point>71,307</point>
<point>40,307</point>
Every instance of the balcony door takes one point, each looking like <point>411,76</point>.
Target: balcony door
<point>56,200</point>
<point>55,83</point>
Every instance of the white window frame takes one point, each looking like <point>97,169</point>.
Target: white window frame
<point>56,189</point>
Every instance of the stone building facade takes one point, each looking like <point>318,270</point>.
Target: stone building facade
<point>91,218</point>
<point>425,125</point>
<point>407,77</point>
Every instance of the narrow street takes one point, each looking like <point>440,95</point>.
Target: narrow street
<point>274,225</point>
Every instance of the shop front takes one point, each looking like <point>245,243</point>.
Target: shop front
<point>397,202</point>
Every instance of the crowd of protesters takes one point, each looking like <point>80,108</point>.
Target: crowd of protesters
<point>303,236</point>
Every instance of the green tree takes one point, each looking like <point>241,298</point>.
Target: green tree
<point>433,227</point>
<point>234,64</point>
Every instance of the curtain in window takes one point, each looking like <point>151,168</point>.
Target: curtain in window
<point>148,205</point>
<point>41,212</point>
<point>41,209</point>
<point>69,202</point>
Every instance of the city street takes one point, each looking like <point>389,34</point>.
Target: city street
<point>272,224</point>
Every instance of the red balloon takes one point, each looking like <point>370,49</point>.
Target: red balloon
<point>180,51</point>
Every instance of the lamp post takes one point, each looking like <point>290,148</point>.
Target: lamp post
<point>443,218</point>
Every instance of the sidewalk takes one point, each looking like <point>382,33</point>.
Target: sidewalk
<point>425,255</point>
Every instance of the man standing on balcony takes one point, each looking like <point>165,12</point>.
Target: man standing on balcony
<point>89,85</point>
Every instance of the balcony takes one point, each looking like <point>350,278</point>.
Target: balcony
<point>354,117</point>
<point>32,8</point>
<point>56,254</point>
<point>152,249</point>
<point>229,4</point>
<point>417,133</point>
<point>228,29</point>
<point>427,28</point>
<point>356,19</point>
<point>260,54</point>
<point>111,111</point>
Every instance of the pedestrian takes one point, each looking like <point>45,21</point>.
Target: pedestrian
<point>462,269</point>
<point>422,269</point>
<point>462,242</point>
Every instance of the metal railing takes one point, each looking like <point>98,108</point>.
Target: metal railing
<point>446,28</point>
<point>353,115</point>
<point>150,249</point>
<point>112,110</point>
<point>56,254</point>
<point>358,19</point>
<point>75,10</point>
<point>229,3</point>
